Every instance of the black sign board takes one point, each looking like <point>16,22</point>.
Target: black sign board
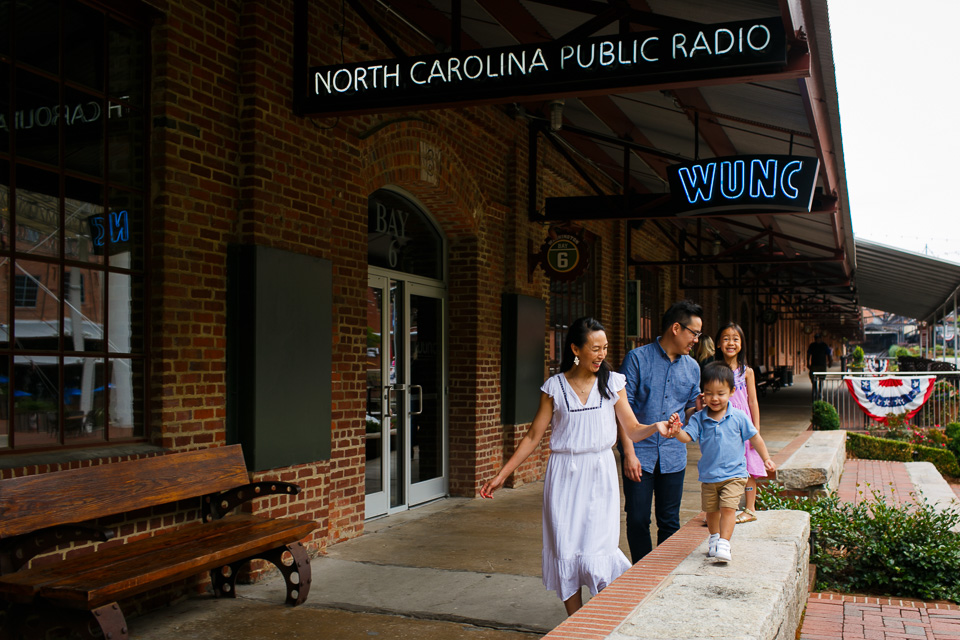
<point>770,183</point>
<point>547,69</point>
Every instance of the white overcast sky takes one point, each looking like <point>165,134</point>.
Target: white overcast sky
<point>899,87</point>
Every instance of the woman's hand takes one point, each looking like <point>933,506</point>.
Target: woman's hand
<point>486,491</point>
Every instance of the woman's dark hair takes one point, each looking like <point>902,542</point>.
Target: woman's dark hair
<point>680,311</point>
<point>577,335</point>
<point>742,356</point>
<point>718,372</point>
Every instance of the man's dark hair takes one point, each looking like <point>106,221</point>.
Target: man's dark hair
<point>718,372</point>
<point>680,311</point>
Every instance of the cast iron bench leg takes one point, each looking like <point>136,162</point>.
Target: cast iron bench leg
<point>42,622</point>
<point>296,574</point>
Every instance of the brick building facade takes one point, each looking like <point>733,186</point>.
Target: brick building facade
<point>229,163</point>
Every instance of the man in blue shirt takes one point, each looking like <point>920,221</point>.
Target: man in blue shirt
<point>662,379</point>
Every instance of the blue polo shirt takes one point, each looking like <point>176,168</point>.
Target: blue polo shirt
<point>721,443</point>
<point>656,388</point>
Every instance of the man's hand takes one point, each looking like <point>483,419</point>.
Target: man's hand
<point>631,468</point>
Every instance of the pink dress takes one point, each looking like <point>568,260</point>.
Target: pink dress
<point>741,401</point>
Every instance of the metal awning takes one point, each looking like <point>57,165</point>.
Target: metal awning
<point>798,263</point>
<point>905,283</point>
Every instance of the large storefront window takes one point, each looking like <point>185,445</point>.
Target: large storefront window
<point>72,225</point>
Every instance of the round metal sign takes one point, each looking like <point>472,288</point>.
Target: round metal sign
<point>564,257</point>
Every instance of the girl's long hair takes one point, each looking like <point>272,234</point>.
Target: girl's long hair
<point>577,335</point>
<point>742,355</point>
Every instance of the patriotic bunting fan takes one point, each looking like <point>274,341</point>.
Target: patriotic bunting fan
<point>878,397</point>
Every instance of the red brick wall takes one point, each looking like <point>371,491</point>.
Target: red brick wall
<point>231,163</point>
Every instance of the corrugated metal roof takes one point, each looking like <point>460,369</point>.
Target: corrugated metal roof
<point>905,283</point>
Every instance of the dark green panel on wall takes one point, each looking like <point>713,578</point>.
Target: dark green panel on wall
<point>279,356</point>
<point>521,375</point>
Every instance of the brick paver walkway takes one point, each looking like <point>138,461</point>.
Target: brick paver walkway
<point>841,617</point>
<point>861,478</point>
<point>833,617</point>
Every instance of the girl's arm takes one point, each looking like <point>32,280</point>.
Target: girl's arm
<point>760,446</point>
<point>525,448</point>
<point>629,425</point>
<point>752,396</point>
<point>631,463</point>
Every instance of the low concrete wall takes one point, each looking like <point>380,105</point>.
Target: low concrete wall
<point>816,467</point>
<point>759,595</point>
<point>933,488</point>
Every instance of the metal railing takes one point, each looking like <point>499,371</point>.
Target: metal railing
<point>939,409</point>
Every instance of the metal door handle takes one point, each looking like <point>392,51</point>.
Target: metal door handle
<point>420,396</point>
<point>386,410</point>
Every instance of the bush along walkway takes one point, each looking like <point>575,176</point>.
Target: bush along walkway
<point>833,616</point>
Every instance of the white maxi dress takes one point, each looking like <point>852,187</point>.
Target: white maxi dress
<point>581,494</point>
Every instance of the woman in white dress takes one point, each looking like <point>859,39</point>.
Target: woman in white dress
<point>581,493</point>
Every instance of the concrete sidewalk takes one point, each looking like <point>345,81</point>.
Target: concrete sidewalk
<point>456,568</point>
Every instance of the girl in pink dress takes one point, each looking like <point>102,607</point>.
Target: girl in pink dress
<point>731,344</point>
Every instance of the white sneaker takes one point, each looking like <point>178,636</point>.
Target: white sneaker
<point>723,551</point>
<point>712,545</point>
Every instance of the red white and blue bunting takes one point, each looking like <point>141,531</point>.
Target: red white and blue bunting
<point>878,397</point>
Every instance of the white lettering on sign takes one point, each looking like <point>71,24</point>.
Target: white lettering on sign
<point>508,63</point>
<point>595,54</point>
<point>379,76</point>
<point>756,38</point>
<point>40,117</point>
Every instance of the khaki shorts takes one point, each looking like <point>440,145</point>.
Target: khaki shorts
<point>721,495</point>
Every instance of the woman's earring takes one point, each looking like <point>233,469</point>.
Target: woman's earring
<point>576,361</point>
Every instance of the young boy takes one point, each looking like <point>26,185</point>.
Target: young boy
<point>721,431</point>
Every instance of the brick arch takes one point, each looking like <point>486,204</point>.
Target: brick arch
<point>406,155</point>
<point>399,156</point>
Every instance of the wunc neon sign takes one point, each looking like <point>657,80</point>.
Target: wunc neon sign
<point>772,183</point>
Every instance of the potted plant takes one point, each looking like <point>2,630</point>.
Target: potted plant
<point>856,359</point>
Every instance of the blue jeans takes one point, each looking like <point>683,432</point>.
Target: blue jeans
<point>668,489</point>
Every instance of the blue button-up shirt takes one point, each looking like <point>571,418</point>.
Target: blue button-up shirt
<point>721,443</point>
<point>656,388</point>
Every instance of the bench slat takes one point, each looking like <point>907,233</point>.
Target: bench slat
<point>91,581</point>
<point>29,503</point>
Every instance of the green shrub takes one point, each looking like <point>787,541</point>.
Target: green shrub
<point>871,448</point>
<point>928,437</point>
<point>857,359</point>
<point>952,430</point>
<point>824,416</point>
<point>901,550</point>
<point>896,350</point>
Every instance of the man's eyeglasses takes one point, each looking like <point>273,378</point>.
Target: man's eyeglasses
<point>696,334</point>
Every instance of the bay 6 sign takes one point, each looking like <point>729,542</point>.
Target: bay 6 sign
<point>771,183</point>
<point>547,69</point>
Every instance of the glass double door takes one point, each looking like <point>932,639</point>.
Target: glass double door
<point>406,418</point>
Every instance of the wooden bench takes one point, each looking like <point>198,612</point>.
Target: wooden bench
<point>765,379</point>
<point>39,512</point>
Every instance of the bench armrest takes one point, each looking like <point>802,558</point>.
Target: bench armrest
<point>217,505</point>
<point>16,552</point>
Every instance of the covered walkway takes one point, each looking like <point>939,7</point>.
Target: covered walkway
<point>461,568</point>
<point>457,568</point>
